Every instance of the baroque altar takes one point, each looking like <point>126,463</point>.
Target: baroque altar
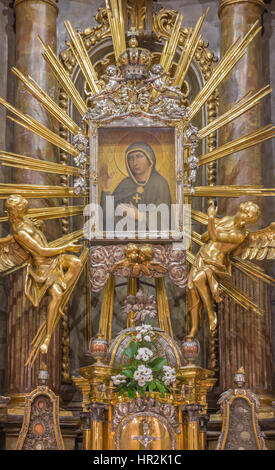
<point>148,249</point>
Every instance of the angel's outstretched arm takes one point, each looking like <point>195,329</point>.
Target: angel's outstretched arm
<point>212,211</point>
<point>33,247</point>
<point>6,239</point>
<point>205,237</point>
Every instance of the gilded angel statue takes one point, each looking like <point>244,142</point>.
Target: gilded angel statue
<point>49,270</point>
<point>225,238</point>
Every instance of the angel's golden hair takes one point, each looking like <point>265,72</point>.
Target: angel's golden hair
<point>16,204</point>
<point>251,210</point>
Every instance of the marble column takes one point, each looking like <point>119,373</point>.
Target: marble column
<point>245,167</point>
<point>33,17</point>
<point>6,55</point>
<point>244,336</point>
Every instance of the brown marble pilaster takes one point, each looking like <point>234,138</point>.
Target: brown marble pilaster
<point>33,17</point>
<point>24,321</point>
<point>244,336</point>
<point>245,167</point>
<point>7,37</point>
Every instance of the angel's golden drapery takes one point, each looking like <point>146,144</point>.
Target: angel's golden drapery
<point>39,278</point>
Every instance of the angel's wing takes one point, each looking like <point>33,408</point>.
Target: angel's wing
<point>258,245</point>
<point>11,253</point>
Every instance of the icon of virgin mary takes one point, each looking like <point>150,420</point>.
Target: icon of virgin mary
<point>144,185</point>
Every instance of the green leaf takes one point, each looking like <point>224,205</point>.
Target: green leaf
<point>157,363</point>
<point>131,393</point>
<point>131,366</point>
<point>128,373</point>
<point>122,390</point>
<point>161,388</point>
<point>131,350</point>
<point>152,386</point>
<point>141,391</point>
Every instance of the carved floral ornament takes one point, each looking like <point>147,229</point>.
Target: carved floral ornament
<point>113,259</point>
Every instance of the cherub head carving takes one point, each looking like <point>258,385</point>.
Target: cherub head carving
<point>112,71</point>
<point>146,253</point>
<point>157,69</point>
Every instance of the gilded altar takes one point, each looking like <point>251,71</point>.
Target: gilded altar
<point>135,282</point>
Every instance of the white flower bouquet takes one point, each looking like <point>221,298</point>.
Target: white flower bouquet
<point>143,372</point>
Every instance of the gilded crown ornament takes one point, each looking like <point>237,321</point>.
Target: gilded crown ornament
<point>135,61</point>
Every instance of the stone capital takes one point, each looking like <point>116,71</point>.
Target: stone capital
<point>227,3</point>
<point>192,410</point>
<point>53,3</point>
<point>96,411</point>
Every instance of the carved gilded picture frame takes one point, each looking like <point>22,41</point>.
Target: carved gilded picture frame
<point>113,145</point>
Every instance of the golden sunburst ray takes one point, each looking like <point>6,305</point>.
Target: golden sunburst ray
<point>231,191</point>
<point>244,142</point>
<point>116,22</point>
<point>199,216</point>
<point>35,164</point>
<point>47,102</point>
<point>47,213</point>
<point>230,59</point>
<point>237,110</point>
<point>190,48</point>
<point>39,191</point>
<point>63,78</point>
<point>68,238</point>
<point>171,45</point>
<point>34,126</point>
<point>80,52</point>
